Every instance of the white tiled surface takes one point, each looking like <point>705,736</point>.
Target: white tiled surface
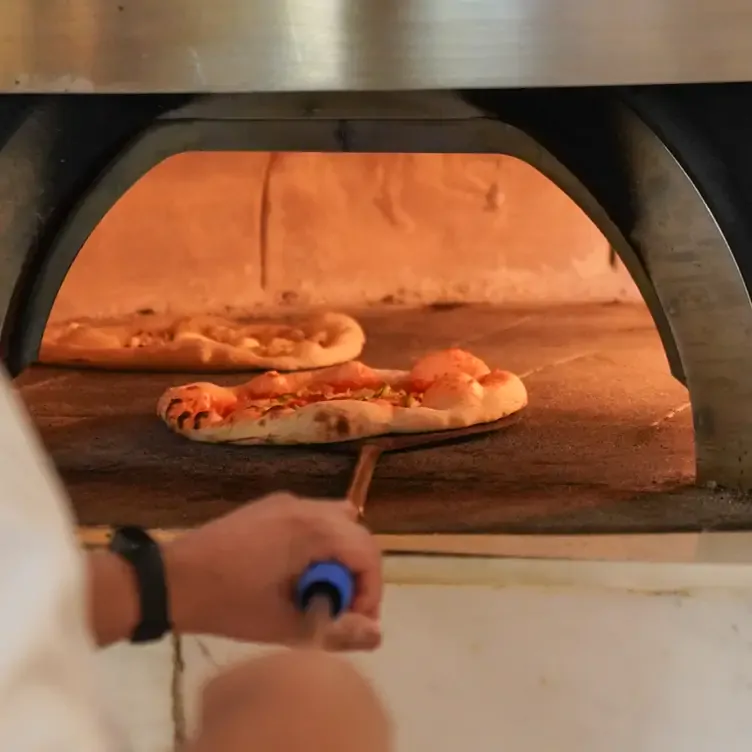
<point>525,668</point>
<point>583,656</point>
<point>136,686</point>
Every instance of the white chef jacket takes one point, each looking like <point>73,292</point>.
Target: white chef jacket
<point>48,698</point>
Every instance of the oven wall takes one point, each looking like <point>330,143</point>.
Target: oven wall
<point>207,231</point>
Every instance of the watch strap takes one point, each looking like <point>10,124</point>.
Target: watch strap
<point>140,550</point>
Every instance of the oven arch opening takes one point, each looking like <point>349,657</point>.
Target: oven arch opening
<point>721,440</point>
<point>175,135</point>
<point>574,350</point>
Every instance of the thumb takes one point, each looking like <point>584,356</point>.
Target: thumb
<point>352,632</point>
<point>347,508</point>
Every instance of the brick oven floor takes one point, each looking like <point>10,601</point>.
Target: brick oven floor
<point>605,445</point>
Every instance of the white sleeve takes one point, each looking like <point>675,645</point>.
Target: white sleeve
<point>48,699</point>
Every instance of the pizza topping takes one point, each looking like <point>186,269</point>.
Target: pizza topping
<point>409,402</point>
<point>144,339</point>
<point>272,392</point>
<point>218,333</point>
<point>279,346</point>
<point>204,342</point>
<point>276,409</point>
<point>383,395</point>
<point>295,335</point>
<point>265,339</point>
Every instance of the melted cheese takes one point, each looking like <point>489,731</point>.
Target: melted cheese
<point>396,397</point>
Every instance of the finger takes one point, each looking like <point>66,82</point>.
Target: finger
<point>356,548</point>
<point>369,590</point>
<point>340,537</point>
<point>369,576</point>
<point>352,632</point>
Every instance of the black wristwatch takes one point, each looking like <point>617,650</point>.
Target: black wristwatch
<point>141,551</point>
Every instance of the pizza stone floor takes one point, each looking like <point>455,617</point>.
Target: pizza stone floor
<point>604,446</point>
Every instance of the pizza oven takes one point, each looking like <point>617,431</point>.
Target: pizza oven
<point>640,415</point>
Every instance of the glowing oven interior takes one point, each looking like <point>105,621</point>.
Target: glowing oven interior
<point>426,251</point>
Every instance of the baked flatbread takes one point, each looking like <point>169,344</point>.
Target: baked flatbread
<point>204,343</point>
<point>444,390</point>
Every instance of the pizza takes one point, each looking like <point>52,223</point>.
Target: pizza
<point>444,390</point>
<point>204,343</point>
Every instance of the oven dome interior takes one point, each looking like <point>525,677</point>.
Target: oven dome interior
<point>427,251</point>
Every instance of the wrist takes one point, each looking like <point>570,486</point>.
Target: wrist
<point>114,596</point>
<point>183,588</point>
<point>114,604</point>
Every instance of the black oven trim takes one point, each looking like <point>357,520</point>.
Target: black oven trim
<point>170,126</point>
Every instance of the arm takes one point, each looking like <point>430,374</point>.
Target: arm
<point>50,700</point>
<point>113,600</point>
<point>234,577</point>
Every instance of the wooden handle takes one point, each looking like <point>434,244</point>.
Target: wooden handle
<point>318,617</point>
<point>362,475</point>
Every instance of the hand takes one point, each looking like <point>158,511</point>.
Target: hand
<point>235,576</point>
<point>290,701</point>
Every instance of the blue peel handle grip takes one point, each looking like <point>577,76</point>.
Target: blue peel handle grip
<point>328,579</point>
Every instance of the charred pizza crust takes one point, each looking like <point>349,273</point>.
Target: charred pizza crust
<point>444,390</point>
<point>204,343</point>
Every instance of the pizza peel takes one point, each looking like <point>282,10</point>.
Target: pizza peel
<point>369,450</point>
